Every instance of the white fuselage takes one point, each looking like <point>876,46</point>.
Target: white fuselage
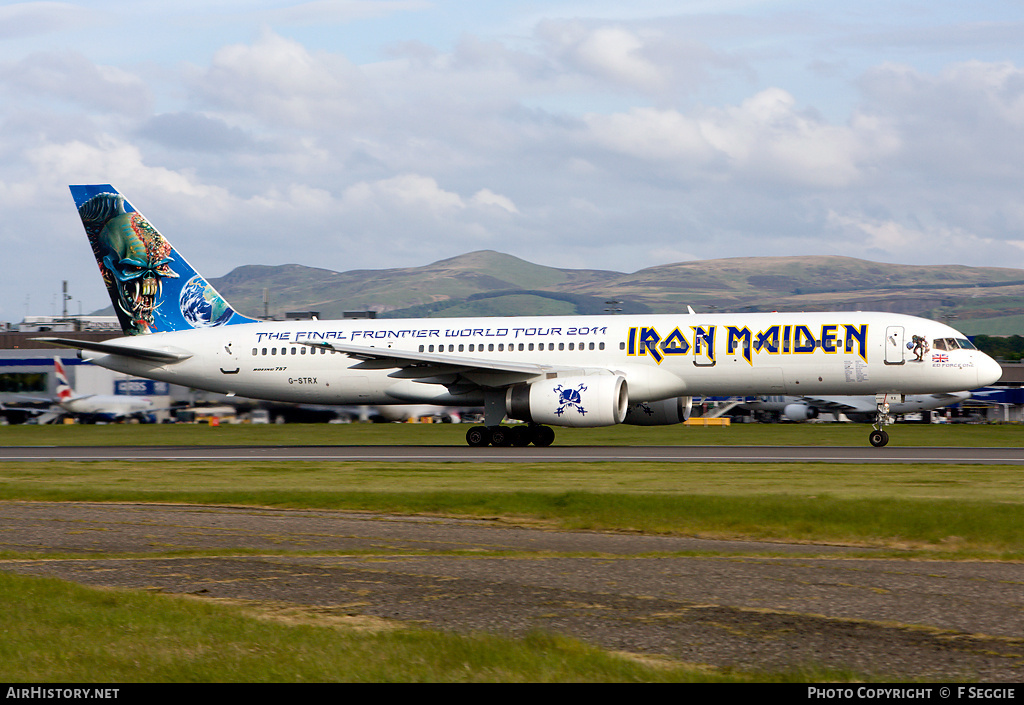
<point>660,356</point>
<point>107,405</point>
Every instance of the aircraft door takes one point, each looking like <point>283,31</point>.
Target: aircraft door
<point>704,346</point>
<point>894,347</point>
<point>227,356</point>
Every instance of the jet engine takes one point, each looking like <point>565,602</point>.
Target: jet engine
<point>659,413</point>
<point>596,400</point>
<point>799,412</point>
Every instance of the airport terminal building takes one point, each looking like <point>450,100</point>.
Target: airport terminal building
<point>27,373</point>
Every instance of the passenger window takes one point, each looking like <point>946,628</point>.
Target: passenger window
<point>254,351</point>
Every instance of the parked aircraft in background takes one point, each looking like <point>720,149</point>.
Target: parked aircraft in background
<point>553,370</point>
<point>412,412</point>
<point>93,407</point>
<point>857,408</point>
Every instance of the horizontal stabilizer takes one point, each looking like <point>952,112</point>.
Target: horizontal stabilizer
<point>138,353</point>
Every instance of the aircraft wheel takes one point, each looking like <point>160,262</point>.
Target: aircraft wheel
<point>477,436</point>
<point>521,436</point>
<point>878,438</point>
<point>543,436</point>
<point>501,436</point>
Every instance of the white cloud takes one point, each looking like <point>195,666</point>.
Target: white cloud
<point>409,191</point>
<point>315,132</point>
<point>108,161</point>
<point>69,77</point>
<point>326,11</point>
<point>283,84</point>
<point>611,53</point>
<point>24,19</point>
<point>765,138</point>
<point>903,241</point>
<point>486,197</point>
<point>965,121</point>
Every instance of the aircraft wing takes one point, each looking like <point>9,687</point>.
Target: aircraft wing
<point>34,410</point>
<point>866,405</point>
<point>427,365</point>
<point>42,400</point>
<point>841,405</point>
<point>166,355</point>
<point>951,397</point>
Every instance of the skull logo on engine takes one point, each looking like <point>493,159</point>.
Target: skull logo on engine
<point>569,398</point>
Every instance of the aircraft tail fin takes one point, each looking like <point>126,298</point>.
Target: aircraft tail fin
<point>152,287</point>
<point>64,390</point>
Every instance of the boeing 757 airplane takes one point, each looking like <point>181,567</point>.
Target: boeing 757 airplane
<point>545,370</point>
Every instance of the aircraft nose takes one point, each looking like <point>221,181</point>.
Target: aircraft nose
<point>989,371</point>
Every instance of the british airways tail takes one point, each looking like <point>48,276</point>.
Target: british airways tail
<point>64,389</point>
<point>152,287</point>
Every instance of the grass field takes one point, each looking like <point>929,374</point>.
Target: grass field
<point>968,511</point>
<point>55,632</point>
<point>58,632</point>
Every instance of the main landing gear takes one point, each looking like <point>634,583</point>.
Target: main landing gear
<point>878,437</point>
<point>504,436</point>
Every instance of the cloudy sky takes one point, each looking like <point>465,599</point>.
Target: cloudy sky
<point>353,134</point>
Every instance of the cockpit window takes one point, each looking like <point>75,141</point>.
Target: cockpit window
<point>952,344</point>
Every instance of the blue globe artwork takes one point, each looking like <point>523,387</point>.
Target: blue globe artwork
<point>202,306</point>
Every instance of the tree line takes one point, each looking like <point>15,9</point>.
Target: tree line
<point>1003,348</point>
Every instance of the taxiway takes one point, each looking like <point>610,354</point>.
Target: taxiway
<point>554,454</point>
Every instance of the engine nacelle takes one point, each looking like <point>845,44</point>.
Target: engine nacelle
<point>659,413</point>
<point>799,412</point>
<point>596,400</point>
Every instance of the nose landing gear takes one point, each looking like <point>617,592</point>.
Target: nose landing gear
<point>878,436</point>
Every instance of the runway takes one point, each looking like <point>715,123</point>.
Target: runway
<point>554,454</point>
